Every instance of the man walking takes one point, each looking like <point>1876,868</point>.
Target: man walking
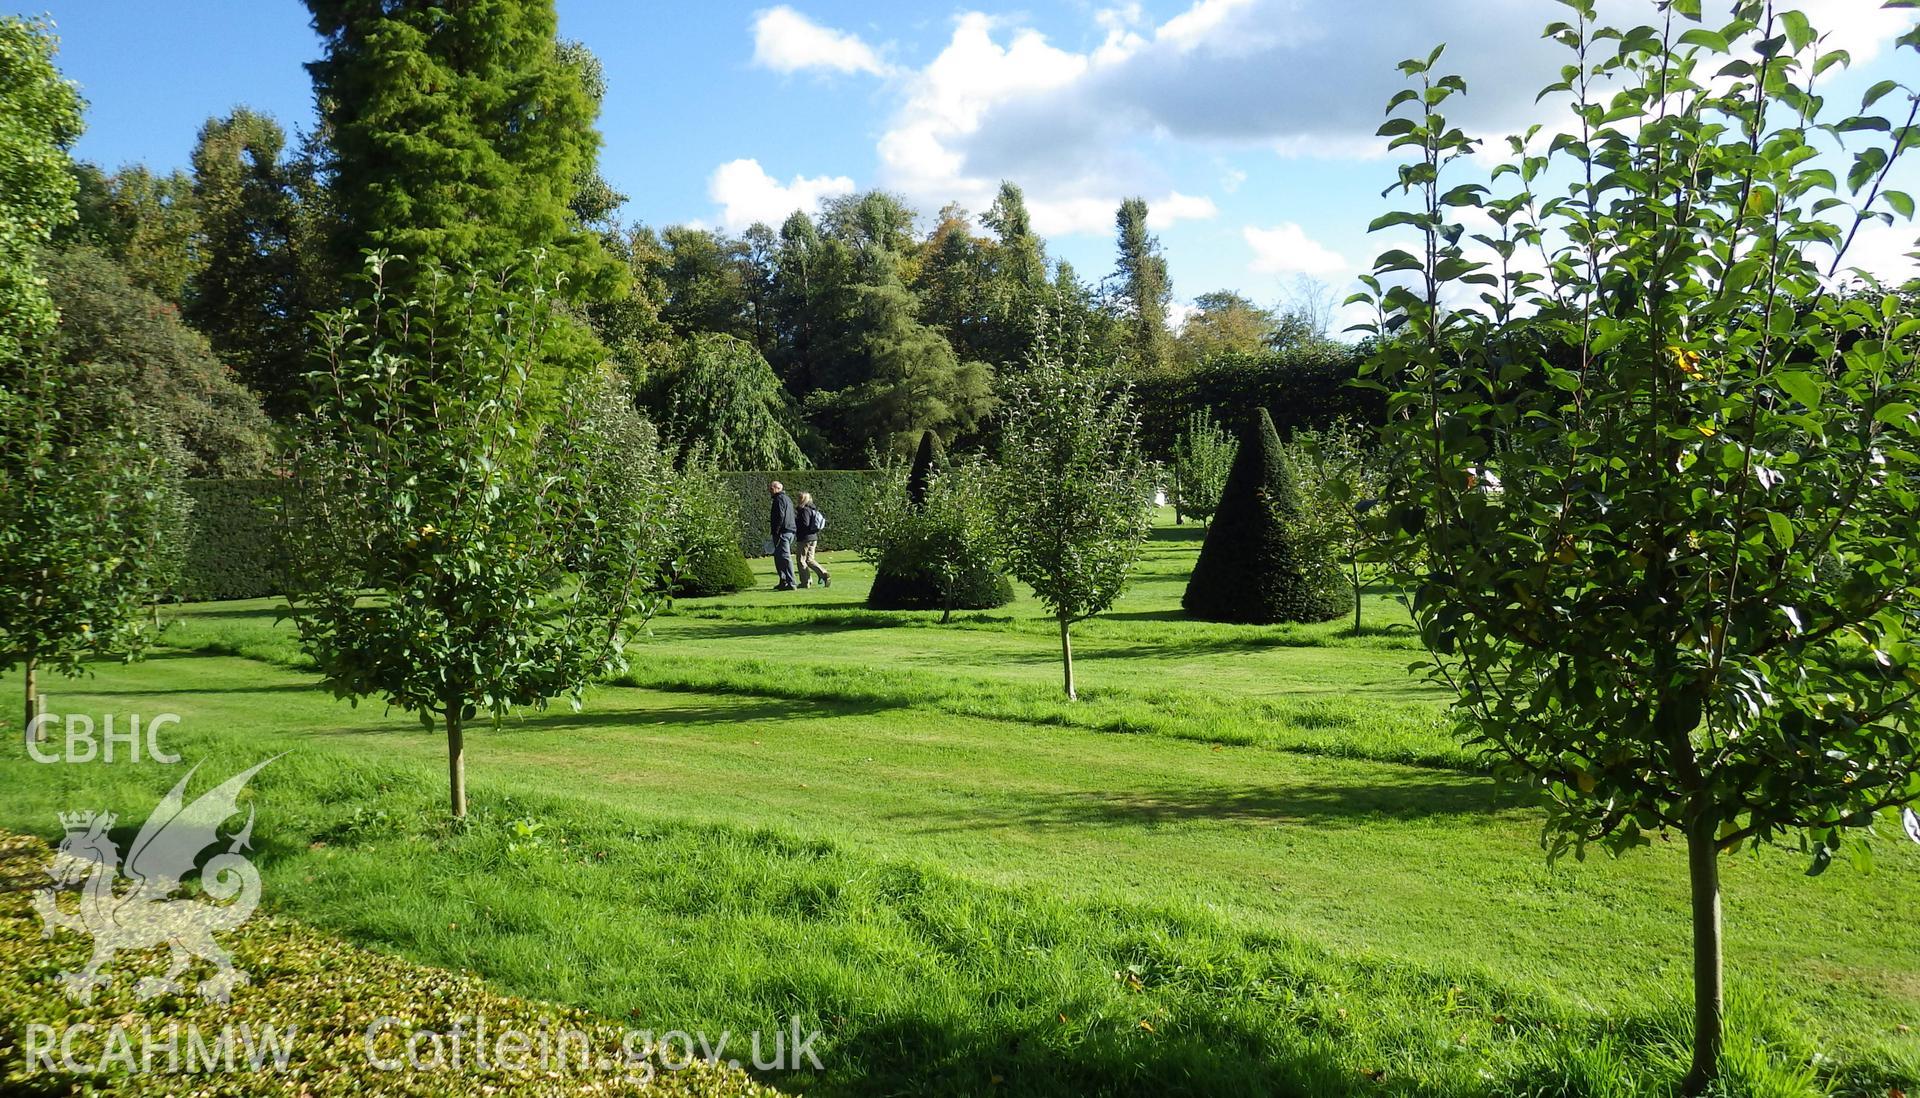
<point>781,523</point>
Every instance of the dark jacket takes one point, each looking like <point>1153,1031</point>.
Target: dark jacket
<point>781,520</point>
<point>808,524</point>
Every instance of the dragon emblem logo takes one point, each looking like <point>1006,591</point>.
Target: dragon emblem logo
<point>148,914</point>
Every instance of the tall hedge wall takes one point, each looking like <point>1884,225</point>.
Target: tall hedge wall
<point>838,493</point>
<point>1299,387</point>
<point>231,555</point>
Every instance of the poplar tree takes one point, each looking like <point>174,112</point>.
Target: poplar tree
<point>1145,288</point>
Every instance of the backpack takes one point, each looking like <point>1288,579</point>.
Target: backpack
<point>812,522</point>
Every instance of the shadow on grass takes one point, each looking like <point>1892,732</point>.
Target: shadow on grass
<point>716,714</point>
<point>1411,798</point>
<point>262,613</point>
<point>1206,1056</point>
<point>276,688</point>
<point>1191,534</point>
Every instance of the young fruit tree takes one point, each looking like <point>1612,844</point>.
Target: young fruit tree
<point>1202,456</point>
<point>86,497</point>
<point>449,551</point>
<point>1075,493</point>
<point>1338,476</point>
<point>1663,461</point>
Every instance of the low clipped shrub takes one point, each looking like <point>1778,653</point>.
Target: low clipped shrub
<point>1265,559</point>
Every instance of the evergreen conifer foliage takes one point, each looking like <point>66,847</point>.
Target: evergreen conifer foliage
<point>1260,564</point>
<point>929,457</point>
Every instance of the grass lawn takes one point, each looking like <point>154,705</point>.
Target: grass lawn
<point>1252,860</point>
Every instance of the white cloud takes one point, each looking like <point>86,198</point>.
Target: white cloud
<point>1301,77</point>
<point>1861,27</point>
<point>1882,251</point>
<point>1178,313</point>
<point>746,194</point>
<point>946,100</point>
<point>1180,207</point>
<point>1094,213</point>
<point>1079,127</point>
<point>786,41</point>
<point>1198,23</point>
<point>1287,249</point>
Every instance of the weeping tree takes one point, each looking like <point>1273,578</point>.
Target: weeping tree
<point>1075,492</point>
<point>718,397</point>
<point>449,551</point>
<point>1671,520</point>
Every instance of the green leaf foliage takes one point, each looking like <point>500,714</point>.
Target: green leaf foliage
<point>124,346</point>
<point>459,135</point>
<point>930,535</point>
<point>1664,493</point>
<point>1202,457</point>
<point>87,486</point>
<point>450,553</point>
<point>1075,493</point>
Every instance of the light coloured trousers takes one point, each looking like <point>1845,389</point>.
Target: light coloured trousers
<point>809,567</point>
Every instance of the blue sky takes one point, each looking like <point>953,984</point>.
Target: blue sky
<point>1245,123</point>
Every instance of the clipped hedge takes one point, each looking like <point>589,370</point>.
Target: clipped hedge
<point>714,570</point>
<point>839,493</point>
<point>1298,387</point>
<point>904,582</point>
<point>231,554</point>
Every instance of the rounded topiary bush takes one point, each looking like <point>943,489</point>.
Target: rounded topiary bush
<point>715,568</point>
<point>905,581</point>
<point>1261,562</point>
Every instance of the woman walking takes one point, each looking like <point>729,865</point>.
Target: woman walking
<point>808,523</point>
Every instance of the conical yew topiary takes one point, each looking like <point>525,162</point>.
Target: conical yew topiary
<point>1255,567</point>
<point>926,459</point>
